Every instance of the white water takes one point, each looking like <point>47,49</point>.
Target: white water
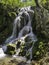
<point>19,58</point>
<point>21,30</point>
<point>2,53</point>
<point>30,51</point>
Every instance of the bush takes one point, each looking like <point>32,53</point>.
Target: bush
<point>39,50</point>
<point>41,23</point>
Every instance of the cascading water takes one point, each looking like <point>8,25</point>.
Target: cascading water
<point>22,28</point>
<point>2,53</point>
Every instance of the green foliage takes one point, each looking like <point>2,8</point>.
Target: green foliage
<point>45,4</point>
<point>18,3</point>
<point>10,2</point>
<point>28,3</point>
<point>8,11</point>
<point>41,24</point>
<point>39,50</point>
<point>7,16</point>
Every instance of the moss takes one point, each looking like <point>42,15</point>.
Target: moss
<point>22,51</point>
<point>39,50</point>
<point>11,49</point>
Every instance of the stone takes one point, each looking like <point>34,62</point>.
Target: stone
<point>22,50</point>
<point>11,49</point>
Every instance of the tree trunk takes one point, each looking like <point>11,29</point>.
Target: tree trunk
<point>37,3</point>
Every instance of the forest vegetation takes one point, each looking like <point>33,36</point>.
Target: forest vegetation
<point>9,10</point>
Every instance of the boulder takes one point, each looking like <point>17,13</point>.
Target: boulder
<point>11,49</point>
<point>22,49</point>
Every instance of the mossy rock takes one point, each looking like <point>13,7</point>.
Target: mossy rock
<point>18,43</point>
<point>22,53</point>
<point>22,50</point>
<point>11,49</point>
<point>11,46</point>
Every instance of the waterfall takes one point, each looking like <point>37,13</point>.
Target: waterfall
<point>19,24</point>
<point>2,53</point>
<point>22,28</point>
<point>30,51</point>
<point>14,33</point>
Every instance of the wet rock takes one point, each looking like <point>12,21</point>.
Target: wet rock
<point>44,61</point>
<point>18,44</point>
<point>11,49</point>
<point>22,49</point>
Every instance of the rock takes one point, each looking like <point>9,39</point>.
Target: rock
<point>22,49</point>
<point>11,49</point>
<point>18,44</point>
<point>34,63</point>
